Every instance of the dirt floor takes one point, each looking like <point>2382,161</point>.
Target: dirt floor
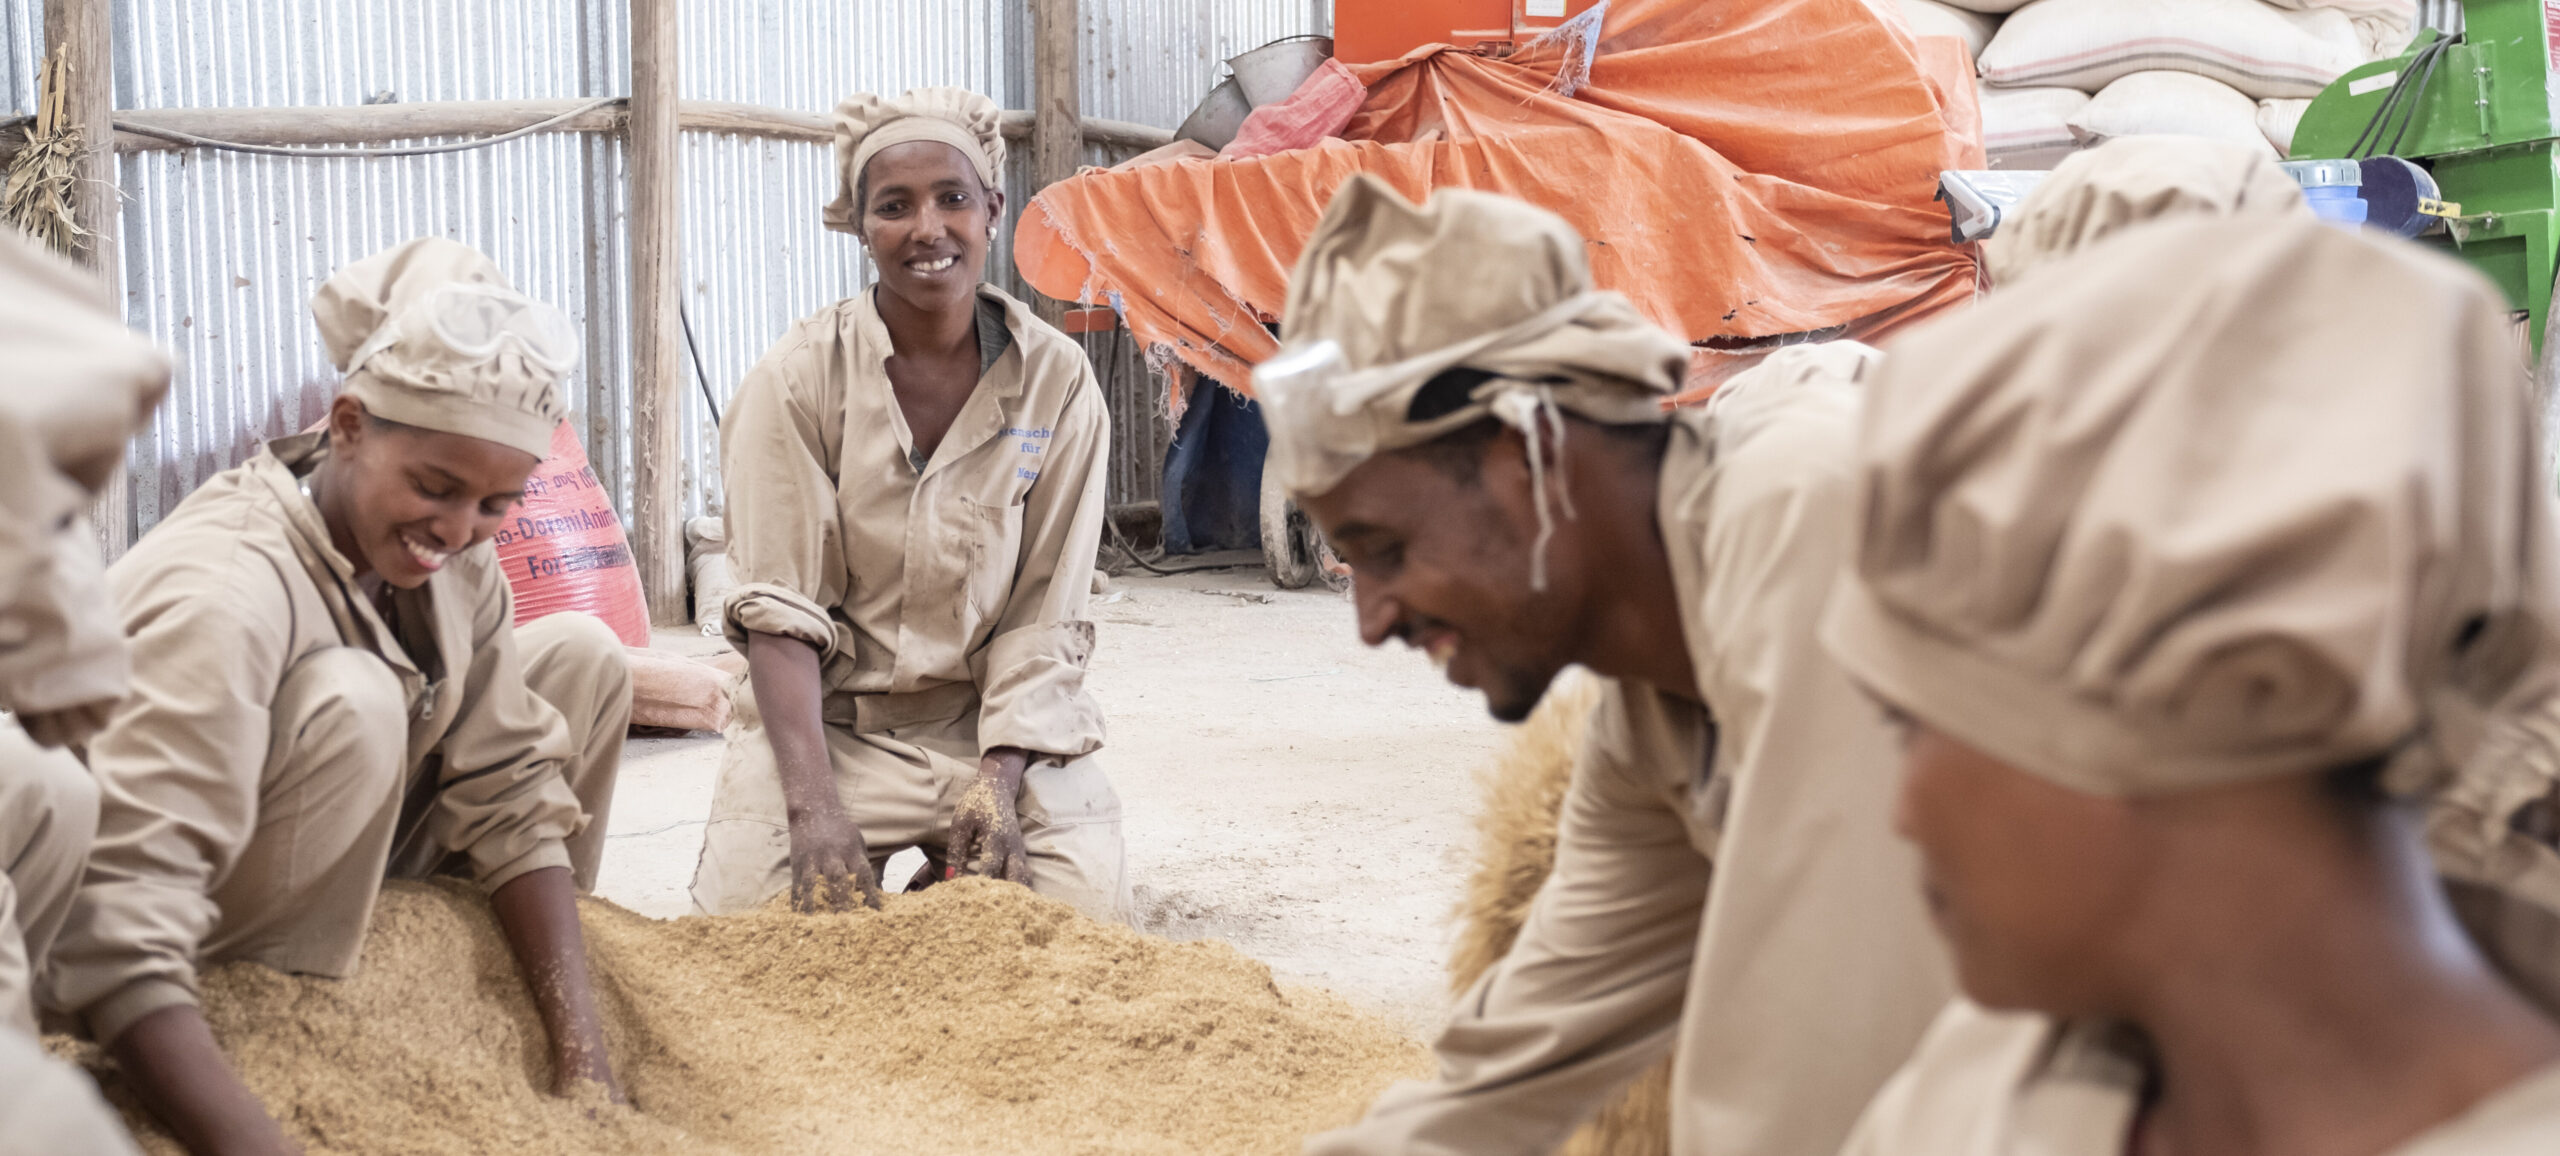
<point>1288,790</point>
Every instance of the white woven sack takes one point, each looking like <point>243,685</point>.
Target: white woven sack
<point>2016,120</point>
<point>2087,44</point>
<point>2162,103</point>
<point>2385,25</point>
<point>2278,119</point>
<point>1930,18</point>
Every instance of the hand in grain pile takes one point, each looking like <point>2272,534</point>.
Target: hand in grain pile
<point>984,828</point>
<point>830,865</point>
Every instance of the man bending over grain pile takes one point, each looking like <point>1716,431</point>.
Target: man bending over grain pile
<point>1483,437</point>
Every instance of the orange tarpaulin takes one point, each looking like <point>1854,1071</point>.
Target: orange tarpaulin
<point>1742,170</point>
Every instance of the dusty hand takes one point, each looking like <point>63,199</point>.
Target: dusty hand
<point>830,867</point>
<point>984,828</point>
<point>576,1072</point>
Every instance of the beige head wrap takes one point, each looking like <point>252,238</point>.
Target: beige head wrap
<point>2221,500</point>
<point>867,123</point>
<point>429,334</point>
<point>2132,180</point>
<point>1388,296</point>
<point>78,385</point>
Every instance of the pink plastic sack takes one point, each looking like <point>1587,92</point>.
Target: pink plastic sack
<point>564,549</point>
<point>1325,102</point>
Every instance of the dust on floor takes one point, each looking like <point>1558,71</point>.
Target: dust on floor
<point>1287,790</point>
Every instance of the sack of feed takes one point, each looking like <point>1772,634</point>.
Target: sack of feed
<point>2160,103</point>
<point>673,692</point>
<point>564,548</point>
<point>2087,44</point>
<point>2385,25</point>
<point>2278,119</point>
<point>2019,121</point>
<point>1930,18</point>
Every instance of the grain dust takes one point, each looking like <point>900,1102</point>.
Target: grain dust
<point>970,1017</point>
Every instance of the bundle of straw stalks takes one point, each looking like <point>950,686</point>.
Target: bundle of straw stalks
<point>1522,795</point>
<point>40,191</point>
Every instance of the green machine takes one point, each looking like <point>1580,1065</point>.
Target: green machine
<point>2478,114</point>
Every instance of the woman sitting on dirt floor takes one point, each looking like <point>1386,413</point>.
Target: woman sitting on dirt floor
<point>2195,564</point>
<point>914,480</point>
<point>327,680</point>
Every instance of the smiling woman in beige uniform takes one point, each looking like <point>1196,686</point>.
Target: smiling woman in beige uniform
<point>2199,564</point>
<point>329,683</point>
<point>915,487</point>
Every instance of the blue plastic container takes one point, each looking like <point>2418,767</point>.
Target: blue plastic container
<point>2333,189</point>
<point>2336,205</point>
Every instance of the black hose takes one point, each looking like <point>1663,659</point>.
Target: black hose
<point>685,319</point>
<point>1120,543</point>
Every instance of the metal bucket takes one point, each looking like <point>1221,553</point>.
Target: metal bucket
<point>1272,72</point>
<point>1220,114</point>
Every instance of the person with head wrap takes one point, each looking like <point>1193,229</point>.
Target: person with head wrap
<point>2131,181</point>
<point>1484,437</point>
<point>2186,613</point>
<point>80,384</point>
<point>329,686</point>
<point>914,482</point>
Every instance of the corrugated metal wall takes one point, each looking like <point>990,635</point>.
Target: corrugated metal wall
<point>222,251</point>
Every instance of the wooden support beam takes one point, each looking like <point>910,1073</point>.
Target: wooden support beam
<point>80,30</point>
<point>1057,142</point>
<point>657,398</point>
<point>374,124</point>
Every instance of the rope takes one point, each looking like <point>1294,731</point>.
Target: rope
<point>324,153</point>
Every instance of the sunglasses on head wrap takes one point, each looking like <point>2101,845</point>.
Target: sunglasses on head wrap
<point>477,324</point>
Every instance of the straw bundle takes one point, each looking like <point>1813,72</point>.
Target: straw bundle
<point>38,196</point>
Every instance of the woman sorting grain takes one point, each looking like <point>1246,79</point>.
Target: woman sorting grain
<point>914,481</point>
<point>328,682</point>
<point>2196,564</point>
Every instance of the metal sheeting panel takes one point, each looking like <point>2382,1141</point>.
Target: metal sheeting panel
<point>21,49</point>
<point>807,55</point>
<point>235,53</point>
<point>1150,61</point>
<point>222,253</point>
<point>756,259</point>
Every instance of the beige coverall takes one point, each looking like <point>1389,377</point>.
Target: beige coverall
<point>284,742</point>
<point>946,597</point>
<point>2022,1084</point>
<point>1726,881</point>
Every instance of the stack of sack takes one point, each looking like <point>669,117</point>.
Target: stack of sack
<point>2058,75</point>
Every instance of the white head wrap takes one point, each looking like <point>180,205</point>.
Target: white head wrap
<point>429,334</point>
<point>868,123</point>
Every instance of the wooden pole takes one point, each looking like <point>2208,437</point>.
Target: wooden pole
<point>79,29</point>
<point>657,458</point>
<point>1057,135</point>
